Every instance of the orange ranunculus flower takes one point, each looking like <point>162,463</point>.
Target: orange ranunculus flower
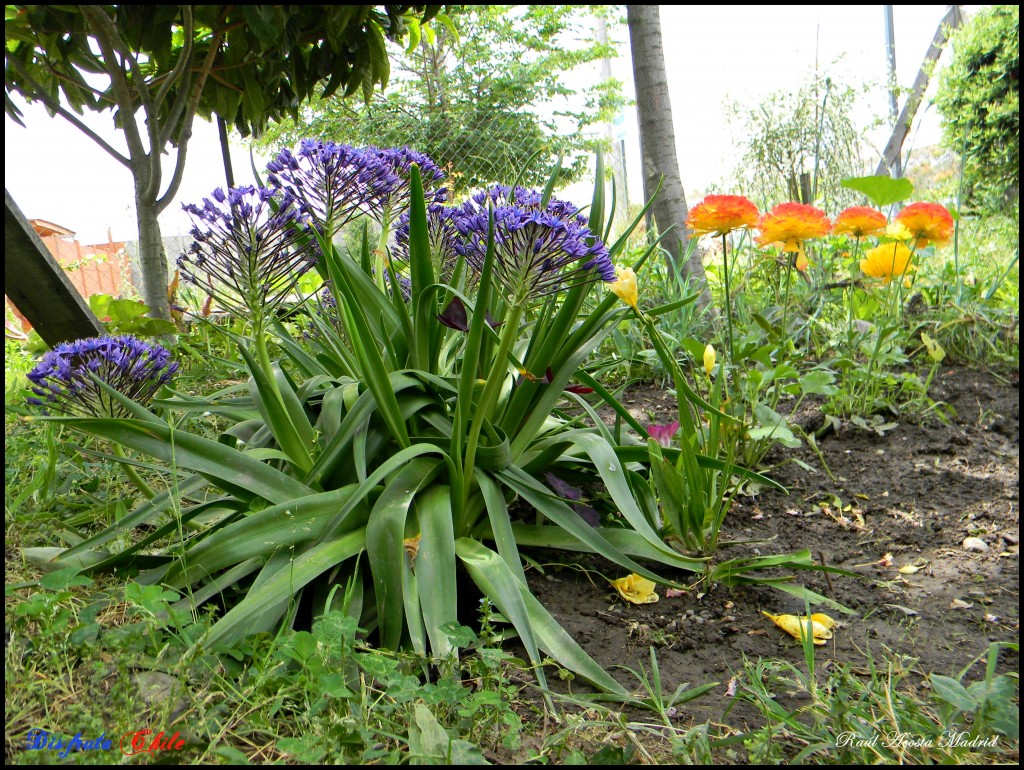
<point>928,223</point>
<point>791,224</point>
<point>859,221</point>
<point>886,261</point>
<point>721,214</point>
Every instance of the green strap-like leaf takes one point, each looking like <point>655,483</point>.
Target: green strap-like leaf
<point>281,586</point>
<point>625,540</point>
<point>385,535</point>
<point>282,412</point>
<point>228,468</point>
<point>536,627</point>
<point>260,534</point>
<point>144,514</point>
<point>434,566</point>
<point>533,492</point>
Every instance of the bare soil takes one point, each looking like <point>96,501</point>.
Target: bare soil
<point>908,497</point>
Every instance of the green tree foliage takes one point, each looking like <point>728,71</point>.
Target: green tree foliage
<point>481,97</point>
<point>979,100</point>
<point>809,133</point>
<point>156,67</point>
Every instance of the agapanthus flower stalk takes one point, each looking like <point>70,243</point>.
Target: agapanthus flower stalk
<point>246,254</point>
<point>400,160</point>
<point>63,381</point>
<point>442,237</point>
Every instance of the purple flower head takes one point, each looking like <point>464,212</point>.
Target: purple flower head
<point>63,379</point>
<point>400,160</point>
<point>663,434</point>
<point>245,253</point>
<point>539,249</point>
<point>336,182</point>
<point>442,236</point>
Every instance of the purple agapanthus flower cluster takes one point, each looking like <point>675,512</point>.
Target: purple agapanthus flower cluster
<point>540,249</point>
<point>63,380</point>
<point>442,236</point>
<point>337,182</point>
<point>400,160</point>
<point>250,247</point>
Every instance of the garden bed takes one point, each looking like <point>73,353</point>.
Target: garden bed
<point>908,497</point>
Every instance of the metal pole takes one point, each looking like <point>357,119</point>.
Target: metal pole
<point>896,170</point>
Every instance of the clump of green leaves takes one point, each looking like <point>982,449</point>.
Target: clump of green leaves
<point>979,101</point>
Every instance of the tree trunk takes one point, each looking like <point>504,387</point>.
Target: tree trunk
<point>152,259</point>
<point>658,144</point>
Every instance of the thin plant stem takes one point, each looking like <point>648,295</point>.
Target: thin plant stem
<point>132,474</point>
<point>495,377</point>
<point>783,336</point>
<point>728,299</point>
<point>849,314</point>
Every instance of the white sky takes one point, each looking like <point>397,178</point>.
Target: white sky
<point>714,55</point>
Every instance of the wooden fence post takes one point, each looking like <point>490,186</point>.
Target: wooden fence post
<point>37,285</point>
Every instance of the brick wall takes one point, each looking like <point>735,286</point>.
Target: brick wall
<point>101,268</point>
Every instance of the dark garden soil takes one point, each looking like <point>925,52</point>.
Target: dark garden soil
<point>908,497</point>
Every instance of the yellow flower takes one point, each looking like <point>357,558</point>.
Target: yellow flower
<point>898,231</point>
<point>636,589</point>
<point>625,287</point>
<point>709,359</point>
<point>886,261</point>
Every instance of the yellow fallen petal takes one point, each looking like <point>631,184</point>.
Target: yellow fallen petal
<point>823,619</point>
<point>636,589</point>
<point>794,626</point>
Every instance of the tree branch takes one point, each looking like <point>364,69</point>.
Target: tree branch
<point>100,24</point>
<point>184,59</point>
<point>186,124</point>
